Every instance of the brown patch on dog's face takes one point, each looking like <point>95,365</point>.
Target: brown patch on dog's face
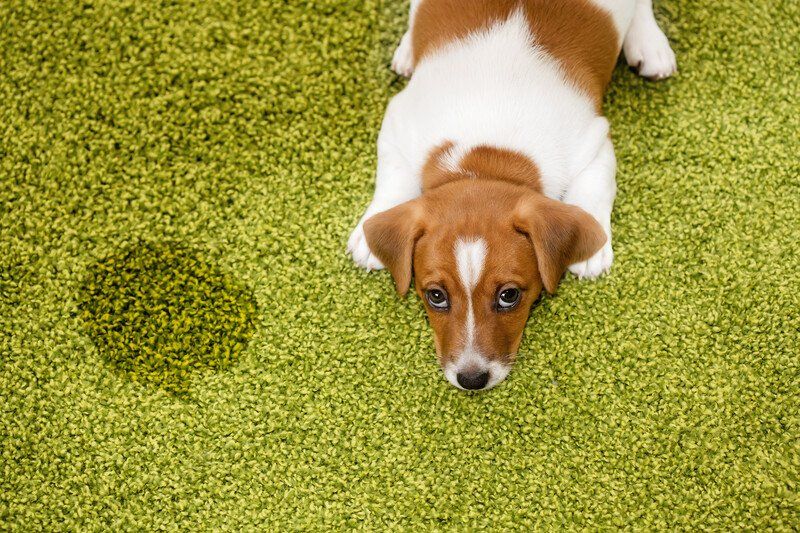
<point>510,239</point>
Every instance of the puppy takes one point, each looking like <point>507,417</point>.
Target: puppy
<point>495,167</point>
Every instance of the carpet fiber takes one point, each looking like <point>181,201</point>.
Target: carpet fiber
<point>183,342</point>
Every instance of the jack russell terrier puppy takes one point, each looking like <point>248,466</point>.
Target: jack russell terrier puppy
<point>495,168</point>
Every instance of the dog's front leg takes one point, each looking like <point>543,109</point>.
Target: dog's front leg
<point>395,183</point>
<point>593,190</point>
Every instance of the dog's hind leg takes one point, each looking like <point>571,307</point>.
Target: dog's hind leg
<point>403,59</point>
<point>646,47</point>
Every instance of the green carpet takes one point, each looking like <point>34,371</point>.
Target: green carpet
<point>184,344</point>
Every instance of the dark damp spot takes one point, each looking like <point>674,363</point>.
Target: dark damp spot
<point>161,313</point>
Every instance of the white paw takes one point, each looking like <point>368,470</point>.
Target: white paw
<point>647,50</point>
<point>403,59</point>
<point>595,266</point>
<point>358,248</point>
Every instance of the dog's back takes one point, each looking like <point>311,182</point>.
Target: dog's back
<point>584,36</point>
<point>486,72</point>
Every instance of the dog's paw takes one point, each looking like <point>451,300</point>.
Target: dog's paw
<point>359,250</point>
<point>595,266</point>
<point>648,52</point>
<point>403,59</point>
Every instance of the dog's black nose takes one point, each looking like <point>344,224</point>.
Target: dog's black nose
<point>473,380</point>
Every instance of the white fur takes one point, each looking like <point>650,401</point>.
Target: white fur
<point>451,158</point>
<point>403,58</point>
<point>470,256</point>
<point>621,12</point>
<point>474,360</point>
<point>646,47</point>
<point>593,190</point>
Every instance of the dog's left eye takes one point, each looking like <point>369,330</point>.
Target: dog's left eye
<point>508,298</point>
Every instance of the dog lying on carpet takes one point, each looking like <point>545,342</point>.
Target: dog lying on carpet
<point>495,167</point>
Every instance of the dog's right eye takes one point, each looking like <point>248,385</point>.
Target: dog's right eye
<point>438,299</point>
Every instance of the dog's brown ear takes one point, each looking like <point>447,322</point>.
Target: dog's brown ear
<point>391,236</point>
<point>561,234</point>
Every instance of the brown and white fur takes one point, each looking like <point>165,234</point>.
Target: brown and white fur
<point>495,167</point>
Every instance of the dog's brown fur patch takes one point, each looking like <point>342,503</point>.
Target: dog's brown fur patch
<point>488,162</point>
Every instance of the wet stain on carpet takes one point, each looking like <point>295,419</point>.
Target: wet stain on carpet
<point>162,313</point>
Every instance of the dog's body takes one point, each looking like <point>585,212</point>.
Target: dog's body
<point>502,109</point>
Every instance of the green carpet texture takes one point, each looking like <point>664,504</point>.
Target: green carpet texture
<point>184,344</point>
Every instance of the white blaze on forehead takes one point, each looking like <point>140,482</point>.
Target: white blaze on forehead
<point>470,256</point>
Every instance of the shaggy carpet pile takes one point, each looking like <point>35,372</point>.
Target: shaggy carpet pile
<point>185,345</point>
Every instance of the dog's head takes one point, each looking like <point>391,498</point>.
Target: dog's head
<point>481,252</point>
